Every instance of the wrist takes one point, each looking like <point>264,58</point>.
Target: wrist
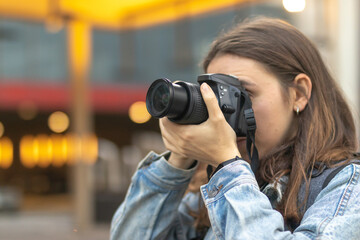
<point>223,164</point>
<point>179,161</point>
<point>225,156</point>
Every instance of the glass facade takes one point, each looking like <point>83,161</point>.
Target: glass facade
<point>174,50</point>
<point>29,53</point>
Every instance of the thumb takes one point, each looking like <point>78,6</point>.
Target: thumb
<point>211,101</point>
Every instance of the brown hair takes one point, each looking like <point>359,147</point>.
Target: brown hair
<point>326,130</point>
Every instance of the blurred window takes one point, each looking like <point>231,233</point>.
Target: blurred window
<point>32,51</point>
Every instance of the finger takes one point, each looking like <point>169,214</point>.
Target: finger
<point>162,123</point>
<point>166,128</point>
<point>211,102</point>
<point>165,124</point>
<point>168,146</point>
<point>168,125</point>
<point>171,143</point>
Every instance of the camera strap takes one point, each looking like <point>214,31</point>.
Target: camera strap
<point>250,134</point>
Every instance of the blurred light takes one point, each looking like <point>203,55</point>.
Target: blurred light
<point>138,112</point>
<point>43,150</point>
<point>114,14</point>
<point>59,150</point>
<point>27,110</point>
<point>90,149</point>
<point>70,148</point>
<point>58,122</point>
<point>2,129</point>
<point>79,42</point>
<point>6,152</point>
<point>28,151</point>
<point>294,5</point>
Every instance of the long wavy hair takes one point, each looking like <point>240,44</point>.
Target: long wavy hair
<point>325,131</point>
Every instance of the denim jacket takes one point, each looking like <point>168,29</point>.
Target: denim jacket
<point>155,206</point>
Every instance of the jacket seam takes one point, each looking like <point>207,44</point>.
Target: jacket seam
<point>165,185</point>
<point>215,229</point>
<point>220,195</point>
<point>343,201</point>
<point>347,192</point>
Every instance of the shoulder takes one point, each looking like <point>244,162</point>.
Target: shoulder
<point>343,198</point>
<point>347,178</point>
<point>345,185</point>
<point>341,190</point>
<point>337,206</point>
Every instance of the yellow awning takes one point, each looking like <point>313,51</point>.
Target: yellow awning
<point>117,14</point>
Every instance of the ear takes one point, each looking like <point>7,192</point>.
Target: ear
<point>301,91</point>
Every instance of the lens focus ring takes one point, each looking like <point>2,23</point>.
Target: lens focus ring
<point>197,111</point>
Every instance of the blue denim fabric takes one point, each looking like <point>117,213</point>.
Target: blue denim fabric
<point>155,206</point>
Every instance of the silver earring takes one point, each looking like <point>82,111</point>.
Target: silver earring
<point>297,110</point>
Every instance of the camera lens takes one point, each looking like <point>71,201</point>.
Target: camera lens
<point>166,99</point>
<point>181,102</point>
<point>161,97</point>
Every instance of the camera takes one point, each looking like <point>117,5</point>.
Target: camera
<point>182,101</point>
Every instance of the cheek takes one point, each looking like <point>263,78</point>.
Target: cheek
<point>272,122</point>
<point>264,116</point>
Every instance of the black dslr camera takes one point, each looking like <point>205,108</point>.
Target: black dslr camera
<point>182,102</point>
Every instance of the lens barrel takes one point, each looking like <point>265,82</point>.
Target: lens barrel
<point>181,102</point>
<point>166,99</point>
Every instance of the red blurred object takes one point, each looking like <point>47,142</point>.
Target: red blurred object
<point>51,97</point>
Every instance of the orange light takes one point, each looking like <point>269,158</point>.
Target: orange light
<point>58,122</point>
<point>115,14</point>
<point>35,150</point>
<point>58,150</point>
<point>2,129</point>
<point>138,112</point>
<point>27,150</point>
<point>69,148</point>
<point>6,152</point>
<point>80,44</point>
<point>45,150</point>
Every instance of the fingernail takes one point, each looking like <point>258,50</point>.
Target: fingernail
<point>205,87</point>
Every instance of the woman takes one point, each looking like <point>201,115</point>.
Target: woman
<point>305,130</point>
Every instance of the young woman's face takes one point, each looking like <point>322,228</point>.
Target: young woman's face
<point>273,113</point>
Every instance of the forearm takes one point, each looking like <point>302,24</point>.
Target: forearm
<point>150,208</point>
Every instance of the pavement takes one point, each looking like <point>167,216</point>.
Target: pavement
<point>47,226</point>
<point>47,219</point>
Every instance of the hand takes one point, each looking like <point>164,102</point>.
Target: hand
<point>211,142</point>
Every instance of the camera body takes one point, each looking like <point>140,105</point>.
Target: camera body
<point>182,102</point>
